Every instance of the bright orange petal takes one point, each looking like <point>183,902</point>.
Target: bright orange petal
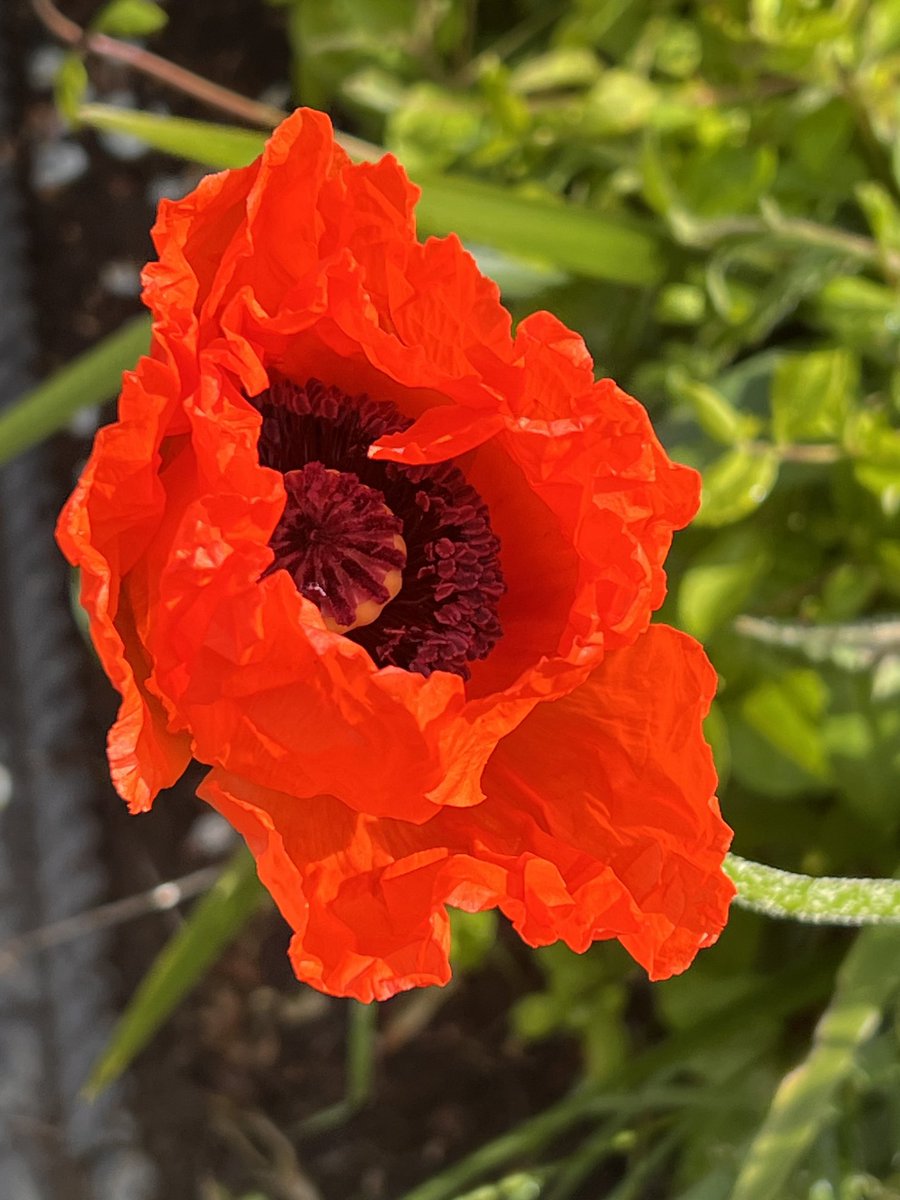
<point>600,821</point>
<point>617,777</point>
<point>104,529</point>
<point>589,451</point>
<point>364,913</point>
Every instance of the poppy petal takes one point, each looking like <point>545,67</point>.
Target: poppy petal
<point>600,821</point>
<point>105,526</point>
<point>618,773</point>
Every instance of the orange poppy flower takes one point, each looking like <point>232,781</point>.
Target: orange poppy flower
<point>389,569</point>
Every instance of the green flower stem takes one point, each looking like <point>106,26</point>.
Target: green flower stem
<point>824,900</point>
<point>360,1071</point>
<point>361,1052</point>
<point>706,234</point>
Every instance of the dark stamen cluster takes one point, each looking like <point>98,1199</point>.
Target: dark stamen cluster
<point>339,543</point>
<point>445,615</point>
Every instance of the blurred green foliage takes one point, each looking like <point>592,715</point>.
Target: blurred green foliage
<point>758,143</point>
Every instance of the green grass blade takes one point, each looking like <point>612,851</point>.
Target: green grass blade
<point>204,142</point>
<point>92,378</point>
<point>564,235</point>
<point>215,921</point>
<point>866,982</point>
<point>640,1086</point>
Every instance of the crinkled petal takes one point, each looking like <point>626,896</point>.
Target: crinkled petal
<point>618,774</point>
<point>589,451</point>
<point>440,433</point>
<point>104,528</point>
<point>600,821</point>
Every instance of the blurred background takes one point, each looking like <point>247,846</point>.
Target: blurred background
<point>710,193</point>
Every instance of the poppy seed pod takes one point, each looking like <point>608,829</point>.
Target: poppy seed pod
<point>388,569</point>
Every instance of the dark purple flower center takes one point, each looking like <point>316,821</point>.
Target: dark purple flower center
<point>402,559</point>
<point>343,547</point>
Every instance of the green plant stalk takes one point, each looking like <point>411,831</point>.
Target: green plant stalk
<point>867,981</point>
<point>361,1052</point>
<point>821,900</point>
<point>706,234</point>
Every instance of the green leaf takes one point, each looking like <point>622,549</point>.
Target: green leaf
<point>882,213</point>
<point>70,86</point>
<point>762,768</point>
<point>433,128</point>
<point>789,24</point>
<point>862,737</point>
<point>215,921</point>
<point>620,102</point>
<point>820,149</point>
<point>724,180</point>
<point>874,446</point>
<point>716,414</point>
<point>736,484</point>
<point>748,384</point>
<point>562,67</point>
<point>720,578</point>
<point>332,39</point>
<point>130,18</point>
<point>847,591</point>
<point>571,237</point>
<point>787,713</point>
<point>680,304</point>
<point>375,89</point>
<point>92,378</point>
<point>198,141</point>
<point>517,278</point>
<point>715,730</point>
<point>867,981</point>
<point>679,51</point>
<point>812,395</point>
<point>863,314</point>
